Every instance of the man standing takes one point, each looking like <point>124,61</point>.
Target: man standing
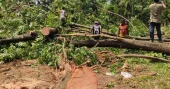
<point>155,18</point>
<point>123,29</point>
<point>62,16</point>
<point>96,29</point>
<point>37,2</point>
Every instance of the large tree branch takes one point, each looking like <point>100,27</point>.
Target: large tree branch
<point>144,56</point>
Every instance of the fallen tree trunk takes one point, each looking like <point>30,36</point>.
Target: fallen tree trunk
<point>87,27</point>
<point>144,56</point>
<point>26,37</point>
<point>126,43</point>
<point>146,38</point>
<point>121,43</point>
<point>78,25</point>
<point>111,34</point>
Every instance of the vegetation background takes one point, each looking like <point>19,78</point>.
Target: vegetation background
<point>20,16</point>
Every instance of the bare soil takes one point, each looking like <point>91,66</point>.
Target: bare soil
<point>28,75</point>
<point>31,75</point>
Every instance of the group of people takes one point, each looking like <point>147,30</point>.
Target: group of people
<point>155,21</point>
<point>122,32</point>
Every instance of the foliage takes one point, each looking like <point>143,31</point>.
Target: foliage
<point>18,17</point>
<point>81,55</point>
<point>48,55</point>
<point>110,85</point>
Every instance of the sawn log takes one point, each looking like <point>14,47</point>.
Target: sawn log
<point>49,31</point>
<point>25,37</point>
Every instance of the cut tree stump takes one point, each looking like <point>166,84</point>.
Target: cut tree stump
<point>49,31</point>
<point>82,78</point>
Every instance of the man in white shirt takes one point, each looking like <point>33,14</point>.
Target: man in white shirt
<point>96,29</point>
<point>63,16</point>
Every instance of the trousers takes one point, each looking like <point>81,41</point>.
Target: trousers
<point>158,29</point>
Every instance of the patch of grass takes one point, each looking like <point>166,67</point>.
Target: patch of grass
<point>138,60</point>
<point>110,85</point>
<point>113,69</point>
<point>159,81</point>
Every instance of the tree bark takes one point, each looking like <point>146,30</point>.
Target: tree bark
<point>26,37</point>
<point>73,25</point>
<point>121,43</point>
<point>146,38</point>
<point>126,43</point>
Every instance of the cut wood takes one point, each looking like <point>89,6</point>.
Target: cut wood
<point>25,37</point>
<point>82,78</point>
<point>49,31</point>
<point>143,56</point>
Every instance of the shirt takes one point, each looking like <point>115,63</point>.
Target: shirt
<point>62,13</point>
<point>96,29</point>
<point>155,12</point>
<point>123,30</point>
